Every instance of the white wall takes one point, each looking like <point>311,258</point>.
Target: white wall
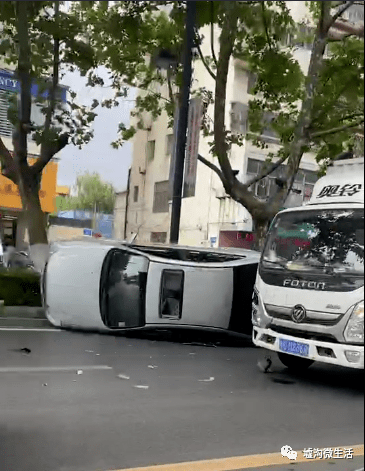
<point>119,215</point>
<point>206,214</point>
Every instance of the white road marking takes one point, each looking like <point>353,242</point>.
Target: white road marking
<point>25,329</point>
<point>52,369</point>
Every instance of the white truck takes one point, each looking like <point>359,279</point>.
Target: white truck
<point>308,302</point>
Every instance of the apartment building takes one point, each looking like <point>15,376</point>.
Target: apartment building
<point>11,214</point>
<point>210,218</point>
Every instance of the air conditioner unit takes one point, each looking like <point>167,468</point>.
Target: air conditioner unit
<point>220,193</point>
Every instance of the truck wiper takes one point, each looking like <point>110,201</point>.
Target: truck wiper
<point>277,263</point>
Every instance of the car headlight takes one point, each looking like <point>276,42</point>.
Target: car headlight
<point>354,331</point>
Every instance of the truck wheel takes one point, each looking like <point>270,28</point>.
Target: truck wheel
<point>294,363</point>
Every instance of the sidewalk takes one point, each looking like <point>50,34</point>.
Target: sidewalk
<point>356,464</point>
<point>23,317</point>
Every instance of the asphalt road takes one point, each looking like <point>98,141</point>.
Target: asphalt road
<point>173,403</point>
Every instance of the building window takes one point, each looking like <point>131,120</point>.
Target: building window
<point>150,150</point>
<point>169,144</point>
<point>304,180</point>
<point>355,14</point>
<point>251,82</point>
<point>6,128</point>
<point>135,194</point>
<point>158,237</point>
<point>161,197</point>
<point>239,116</point>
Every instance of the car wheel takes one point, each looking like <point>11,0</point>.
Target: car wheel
<point>294,363</point>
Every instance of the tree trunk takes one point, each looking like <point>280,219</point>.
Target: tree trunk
<point>35,220</point>
<point>260,230</point>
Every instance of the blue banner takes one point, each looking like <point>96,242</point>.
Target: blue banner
<point>10,83</point>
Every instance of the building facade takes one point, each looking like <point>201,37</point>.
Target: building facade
<point>120,212</point>
<point>210,218</point>
<point>11,215</point>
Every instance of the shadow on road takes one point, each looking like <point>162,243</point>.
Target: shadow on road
<point>194,337</point>
<point>339,379</point>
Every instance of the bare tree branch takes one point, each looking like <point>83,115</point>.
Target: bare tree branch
<point>300,140</point>
<point>325,109</point>
<point>211,73</point>
<point>55,75</point>
<point>212,167</point>
<point>169,85</point>
<point>349,28</point>
<point>24,70</point>
<point>267,172</point>
<point>339,14</point>
<point>352,116</point>
<point>227,41</point>
<point>7,163</point>
<point>212,33</point>
<point>265,25</point>
<point>48,150</point>
<point>328,132</point>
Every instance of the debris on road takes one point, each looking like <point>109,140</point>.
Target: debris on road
<point>265,365</point>
<point>139,386</point>
<point>44,384</point>
<point>24,351</point>
<point>207,380</point>
<point>123,377</point>
<point>200,344</point>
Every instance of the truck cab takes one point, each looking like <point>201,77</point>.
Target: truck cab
<point>308,302</point>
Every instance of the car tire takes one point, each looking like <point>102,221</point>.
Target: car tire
<point>294,363</point>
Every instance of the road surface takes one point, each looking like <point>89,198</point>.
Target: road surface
<point>89,402</point>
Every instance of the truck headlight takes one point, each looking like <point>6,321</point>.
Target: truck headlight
<point>354,331</point>
<point>258,317</point>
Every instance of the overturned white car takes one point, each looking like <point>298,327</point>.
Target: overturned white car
<point>108,286</point>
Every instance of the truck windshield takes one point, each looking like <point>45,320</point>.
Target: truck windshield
<point>322,241</point>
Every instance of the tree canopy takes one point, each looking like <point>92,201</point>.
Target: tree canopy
<point>92,195</point>
<point>318,110</point>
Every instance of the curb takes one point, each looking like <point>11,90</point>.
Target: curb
<point>23,312</point>
<point>25,323</point>
<point>23,317</point>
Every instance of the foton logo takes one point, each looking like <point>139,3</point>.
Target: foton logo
<point>304,284</point>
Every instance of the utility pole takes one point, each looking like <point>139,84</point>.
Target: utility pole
<point>183,123</point>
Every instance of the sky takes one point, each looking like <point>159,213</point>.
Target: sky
<point>98,156</point>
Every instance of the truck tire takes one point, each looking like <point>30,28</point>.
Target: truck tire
<point>294,363</point>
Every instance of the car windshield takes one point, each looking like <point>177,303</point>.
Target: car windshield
<point>329,241</point>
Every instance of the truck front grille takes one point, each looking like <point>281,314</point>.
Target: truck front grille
<point>313,317</point>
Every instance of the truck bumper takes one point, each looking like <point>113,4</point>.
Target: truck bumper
<point>351,356</point>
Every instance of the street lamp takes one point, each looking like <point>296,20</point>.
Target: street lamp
<point>178,174</point>
<point>166,60</point>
